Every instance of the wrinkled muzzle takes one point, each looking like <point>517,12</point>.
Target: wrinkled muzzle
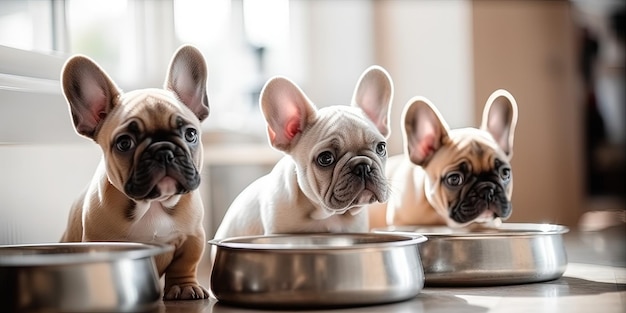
<point>159,161</point>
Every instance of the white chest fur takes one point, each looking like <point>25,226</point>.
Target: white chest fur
<point>152,224</point>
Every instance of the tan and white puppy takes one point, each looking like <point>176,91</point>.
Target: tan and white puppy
<point>145,188</point>
<point>452,177</point>
<point>334,163</point>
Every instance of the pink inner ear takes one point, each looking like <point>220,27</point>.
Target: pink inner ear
<point>292,128</point>
<point>426,146</point>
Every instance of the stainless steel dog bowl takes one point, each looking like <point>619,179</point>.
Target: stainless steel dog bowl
<point>510,254</point>
<point>317,270</point>
<point>79,277</point>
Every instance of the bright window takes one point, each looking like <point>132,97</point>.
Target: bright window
<point>245,42</point>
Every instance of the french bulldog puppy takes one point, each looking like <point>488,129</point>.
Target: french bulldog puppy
<point>452,177</point>
<point>333,167</point>
<point>145,188</point>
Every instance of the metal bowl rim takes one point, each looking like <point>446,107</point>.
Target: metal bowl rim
<point>396,239</point>
<point>514,230</point>
<point>132,251</point>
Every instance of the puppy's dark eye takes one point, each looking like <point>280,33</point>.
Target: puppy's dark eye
<point>124,143</point>
<point>325,158</point>
<point>454,179</point>
<point>505,173</point>
<point>191,135</point>
<point>381,148</point>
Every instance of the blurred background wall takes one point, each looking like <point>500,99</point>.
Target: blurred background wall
<point>567,152</point>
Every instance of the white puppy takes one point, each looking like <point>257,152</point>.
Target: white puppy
<point>334,163</point>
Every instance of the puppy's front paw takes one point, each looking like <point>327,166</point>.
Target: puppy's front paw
<point>186,292</point>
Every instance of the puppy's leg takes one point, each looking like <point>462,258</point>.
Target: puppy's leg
<point>74,230</point>
<point>180,276</point>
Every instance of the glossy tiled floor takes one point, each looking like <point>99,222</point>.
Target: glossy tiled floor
<point>595,281</point>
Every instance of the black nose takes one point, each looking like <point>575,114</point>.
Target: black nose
<point>362,170</point>
<point>487,193</point>
<point>164,155</point>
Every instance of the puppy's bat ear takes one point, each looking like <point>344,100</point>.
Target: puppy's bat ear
<point>373,94</point>
<point>424,130</point>
<point>287,111</point>
<point>187,77</point>
<point>90,93</point>
<point>500,118</point>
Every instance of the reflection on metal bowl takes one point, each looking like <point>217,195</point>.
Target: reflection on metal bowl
<point>512,253</point>
<point>80,277</point>
<point>317,270</point>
